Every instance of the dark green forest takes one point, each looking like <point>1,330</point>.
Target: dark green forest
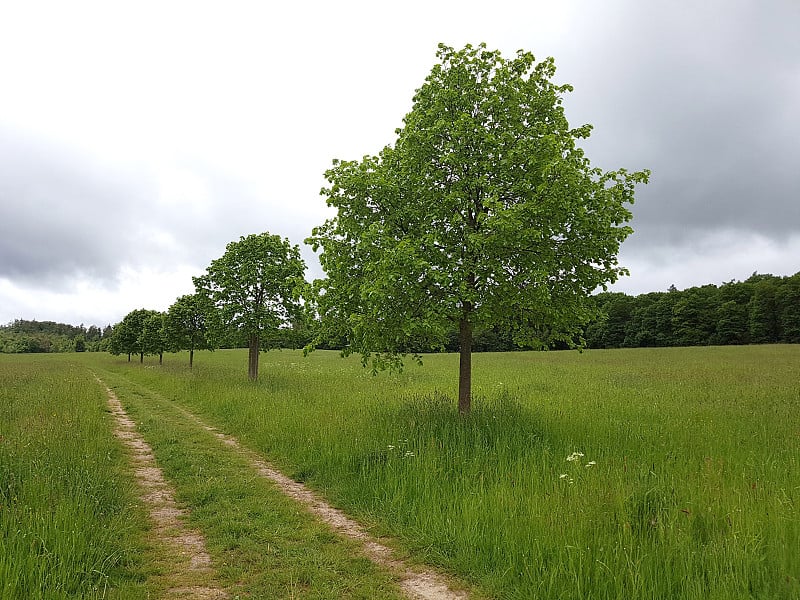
<point>763,309</point>
<point>23,336</point>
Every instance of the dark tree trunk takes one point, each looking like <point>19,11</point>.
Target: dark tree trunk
<point>191,357</point>
<point>129,357</point>
<point>252,367</point>
<point>161,358</point>
<point>141,357</point>
<point>464,366</point>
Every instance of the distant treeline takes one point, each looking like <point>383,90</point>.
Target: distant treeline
<point>22,336</point>
<point>763,309</point>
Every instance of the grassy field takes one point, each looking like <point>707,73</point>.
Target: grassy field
<point>70,523</point>
<point>684,483</point>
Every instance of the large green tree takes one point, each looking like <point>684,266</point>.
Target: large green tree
<point>484,212</point>
<point>256,287</point>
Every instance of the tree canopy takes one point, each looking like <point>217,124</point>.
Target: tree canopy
<point>131,337</point>
<point>483,212</point>
<point>761,309</point>
<point>255,287</point>
<point>186,325</point>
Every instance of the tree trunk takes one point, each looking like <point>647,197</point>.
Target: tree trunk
<point>160,358</point>
<point>129,357</point>
<point>141,357</point>
<point>464,366</point>
<point>191,357</point>
<point>252,367</point>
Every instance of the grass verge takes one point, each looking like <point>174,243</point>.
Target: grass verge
<point>70,522</point>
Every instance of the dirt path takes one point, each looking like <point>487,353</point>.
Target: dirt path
<point>417,583</point>
<point>191,575</point>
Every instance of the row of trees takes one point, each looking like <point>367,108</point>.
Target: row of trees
<point>145,331</point>
<point>252,295</point>
<point>22,336</point>
<point>760,310</point>
<point>482,222</point>
<point>484,213</point>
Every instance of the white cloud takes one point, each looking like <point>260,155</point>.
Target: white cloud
<point>88,302</point>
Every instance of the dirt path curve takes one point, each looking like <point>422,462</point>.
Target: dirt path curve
<point>192,575</point>
<point>417,583</point>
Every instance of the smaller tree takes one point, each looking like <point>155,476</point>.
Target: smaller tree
<point>255,287</point>
<point>153,339</point>
<point>187,324</point>
<point>127,335</point>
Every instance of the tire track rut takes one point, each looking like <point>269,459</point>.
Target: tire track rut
<point>417,583</point>
<point>192,573</point>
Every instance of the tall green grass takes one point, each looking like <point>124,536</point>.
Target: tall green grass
<point>69,525</point>
<point>687,487</point>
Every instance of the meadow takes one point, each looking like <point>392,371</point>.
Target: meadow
<point>70,521</point>
<point>642,473</point>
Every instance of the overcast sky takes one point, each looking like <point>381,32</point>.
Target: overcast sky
<point>138,138</point>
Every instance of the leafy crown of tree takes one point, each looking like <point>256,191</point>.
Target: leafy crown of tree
<point>255,287</point>
<point>484,211</point>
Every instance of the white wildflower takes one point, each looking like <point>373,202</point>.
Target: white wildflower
<point>591,463</point>
<point>563,476</point>
<point>575,456</point>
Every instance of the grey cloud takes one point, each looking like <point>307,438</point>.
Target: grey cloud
<point>706,98</point>
<point>63,215</point>
<point>58,216</point>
